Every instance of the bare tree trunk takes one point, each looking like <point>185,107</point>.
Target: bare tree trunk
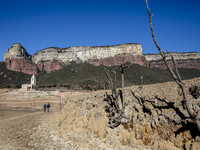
<point>176,78</point>
<point>116,113</point>
<point>122,73</point>
<point>123,99</point>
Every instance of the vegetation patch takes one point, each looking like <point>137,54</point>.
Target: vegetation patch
<point>88,77</point>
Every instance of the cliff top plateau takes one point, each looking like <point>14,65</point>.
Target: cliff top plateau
<point>85,53</point>
<point>54,58</point>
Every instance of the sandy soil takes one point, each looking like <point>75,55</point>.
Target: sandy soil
<point>16,131</point>
<point>35,99</point>
<point>25,128</point>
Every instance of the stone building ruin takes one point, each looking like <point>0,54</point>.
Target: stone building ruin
<point>30,86</point>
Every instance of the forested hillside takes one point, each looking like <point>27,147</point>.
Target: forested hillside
<point>89,77</point>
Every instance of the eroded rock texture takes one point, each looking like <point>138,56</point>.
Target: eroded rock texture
<point>17,59</point>
<point>54,58</point>
<point>118,60</point>
<point>21,65</point>
<point>16,51</point>
<point>183,60</point>
<point>85,53</point>
<point>190,63</point>
<point>49,66</point>
<point>156,124</point>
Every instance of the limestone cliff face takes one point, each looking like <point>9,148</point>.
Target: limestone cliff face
<point>85,53</point>
<point>177,56</point>
<point>183,60</point>
<point>118,60</point>
<point>53,58</point>
<point>17,59</point>
<point>16,51</point>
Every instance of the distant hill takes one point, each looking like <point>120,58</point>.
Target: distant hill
<point>88,77</point>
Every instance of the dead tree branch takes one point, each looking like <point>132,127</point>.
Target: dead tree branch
<point>176,78</point>
<point>122,73</point>
<point>115,111</point>
<point>113,89</point>
<point>176,69</point>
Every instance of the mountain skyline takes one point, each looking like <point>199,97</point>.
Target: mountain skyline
<point>37,25</point>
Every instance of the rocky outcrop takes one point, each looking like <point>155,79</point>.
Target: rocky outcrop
<point>183,60</point>
<point>17,59</point>
<point>118,60</point>
<point>85,53</point>
<point>177,56</point>
<point>53,58</point>
<point>21,65</point>
<point>16,51</point>
<point>189,64</point>
<point>49,66</point>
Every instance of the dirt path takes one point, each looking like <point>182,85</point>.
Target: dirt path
<point>31,132</point>
<point>16,132</point>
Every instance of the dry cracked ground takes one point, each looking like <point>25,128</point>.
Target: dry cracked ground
<point>83,123</point>
<point>19,132</point>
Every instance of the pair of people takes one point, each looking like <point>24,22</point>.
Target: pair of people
<point>46,106</point>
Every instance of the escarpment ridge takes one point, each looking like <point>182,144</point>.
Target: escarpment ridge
<point>53,58</point>
<point>183,60</point>
<point>85,53</point>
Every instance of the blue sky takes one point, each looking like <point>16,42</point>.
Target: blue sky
<point>38,24</point>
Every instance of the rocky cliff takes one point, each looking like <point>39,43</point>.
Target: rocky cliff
<point>16,51</point>
<point>183,60</point>
<point>86,52</point>
<point>187,63</point>
<point>177,56</point>
<point>17,59</point>
<point>53,58</point>
<point>21,65</point>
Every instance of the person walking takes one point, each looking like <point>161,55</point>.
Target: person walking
<point>48,106</point>
<point>45,106</point>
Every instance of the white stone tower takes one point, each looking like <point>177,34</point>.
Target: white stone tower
<point>33,82</point>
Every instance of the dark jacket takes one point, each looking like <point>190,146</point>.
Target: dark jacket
<point>48,105</point>
<point>45,106</point>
